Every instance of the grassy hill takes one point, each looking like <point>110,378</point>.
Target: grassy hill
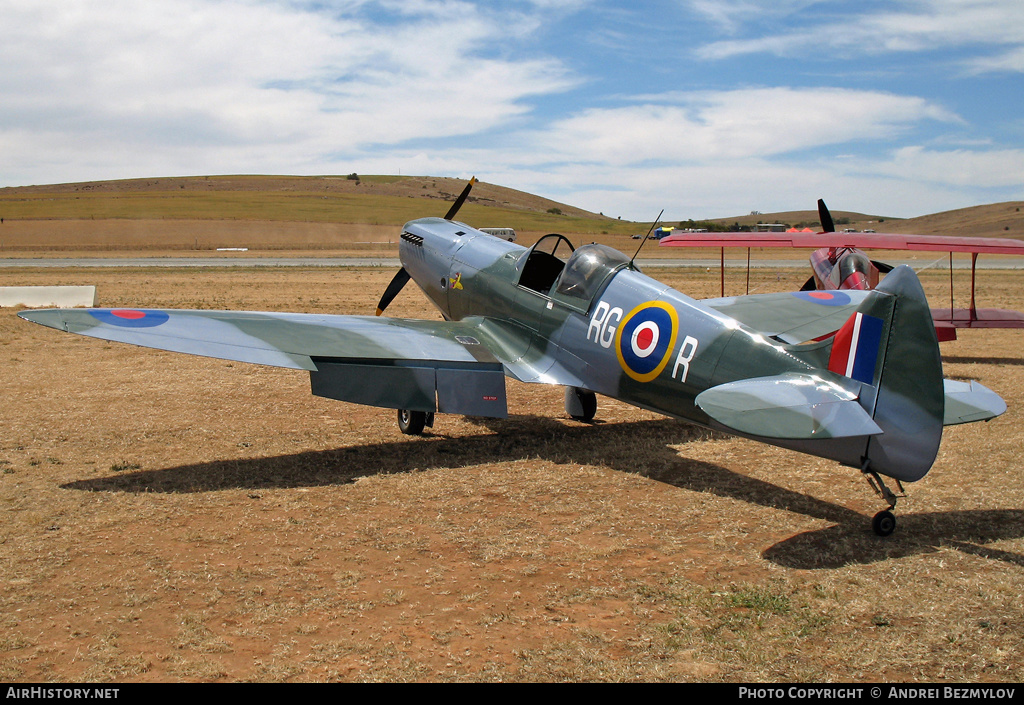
<point>350,214</point>
<point>372,200</point>
<point>992,220</point>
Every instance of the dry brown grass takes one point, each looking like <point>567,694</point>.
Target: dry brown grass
<point>164,517</point>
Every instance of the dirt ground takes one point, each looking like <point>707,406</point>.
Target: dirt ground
<point>172,518</point>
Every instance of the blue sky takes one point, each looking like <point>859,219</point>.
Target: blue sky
<point>704,108</point>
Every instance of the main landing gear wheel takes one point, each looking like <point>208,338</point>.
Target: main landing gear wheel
<point>580,404</point>
<point>884,523</point>
<point>411,423</point>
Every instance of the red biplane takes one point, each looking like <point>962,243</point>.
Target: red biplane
<point>839,262</point>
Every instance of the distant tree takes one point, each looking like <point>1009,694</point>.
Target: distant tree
<point>353,177</point>
<point>555,211</point>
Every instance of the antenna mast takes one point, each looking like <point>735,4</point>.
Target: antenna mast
<point>656,221</point>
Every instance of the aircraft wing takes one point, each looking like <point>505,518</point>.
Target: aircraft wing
<point>397,363</point>
<point>794,317</point>
<point>878,241</point>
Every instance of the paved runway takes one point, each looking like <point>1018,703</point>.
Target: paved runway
<point>393,263</point>
<point>47,262</point>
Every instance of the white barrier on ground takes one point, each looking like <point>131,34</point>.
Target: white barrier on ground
<point>44,296</point>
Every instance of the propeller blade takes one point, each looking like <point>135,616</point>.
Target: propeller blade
<point>460,200</point>
<point>882,266</point>
<point>827,226</point>
<point>401,279</point>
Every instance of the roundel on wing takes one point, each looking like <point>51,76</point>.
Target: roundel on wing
<point>824,298</point>
<point>130,318</point>
<point>645,339</point>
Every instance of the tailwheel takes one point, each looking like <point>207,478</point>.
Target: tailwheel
<point>884,523</point>
<point>411,423</point>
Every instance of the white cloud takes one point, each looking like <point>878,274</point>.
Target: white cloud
<point>1010,61</point>
<point>996,168</point>
<point>730,15</point>
<point>734,124</point>
<point>920,25</point>
<point>123,88</point>
<point>193,86</point>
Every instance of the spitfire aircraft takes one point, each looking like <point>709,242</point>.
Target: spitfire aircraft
<point>870,396</point>
<point>839,262</point>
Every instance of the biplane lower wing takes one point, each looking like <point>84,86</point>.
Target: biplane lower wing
<point>978,318</point>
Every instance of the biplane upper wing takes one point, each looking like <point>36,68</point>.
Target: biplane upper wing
<point>947,318</point>
<point>877,241</point>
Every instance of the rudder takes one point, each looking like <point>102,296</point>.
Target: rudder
<point>891,345</point>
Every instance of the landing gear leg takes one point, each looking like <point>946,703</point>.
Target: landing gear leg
<point>411,423</point>
<point>581,404</point>
<point>884,522</point>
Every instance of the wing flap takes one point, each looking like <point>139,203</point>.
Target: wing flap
<point>790,406</point>
<point>472,389</point>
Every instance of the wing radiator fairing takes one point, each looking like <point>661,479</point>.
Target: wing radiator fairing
<point>472,389</point>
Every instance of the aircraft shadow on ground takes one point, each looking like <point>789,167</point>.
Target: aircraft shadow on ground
<point>848,540</point>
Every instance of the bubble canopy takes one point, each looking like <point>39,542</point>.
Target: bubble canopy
<point>586,272</point>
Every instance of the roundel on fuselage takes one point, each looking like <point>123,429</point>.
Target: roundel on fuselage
<point>645,340</point>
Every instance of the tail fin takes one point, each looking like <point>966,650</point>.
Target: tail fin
<point>890,345</point>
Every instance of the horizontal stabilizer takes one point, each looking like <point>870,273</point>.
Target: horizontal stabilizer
<point>970,401</point>
<point>791,406</point>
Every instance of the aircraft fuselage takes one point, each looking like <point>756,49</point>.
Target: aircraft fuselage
<point>615,331</point>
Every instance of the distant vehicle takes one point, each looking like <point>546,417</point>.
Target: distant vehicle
<point>662,232</point>
<point>504,233</point>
